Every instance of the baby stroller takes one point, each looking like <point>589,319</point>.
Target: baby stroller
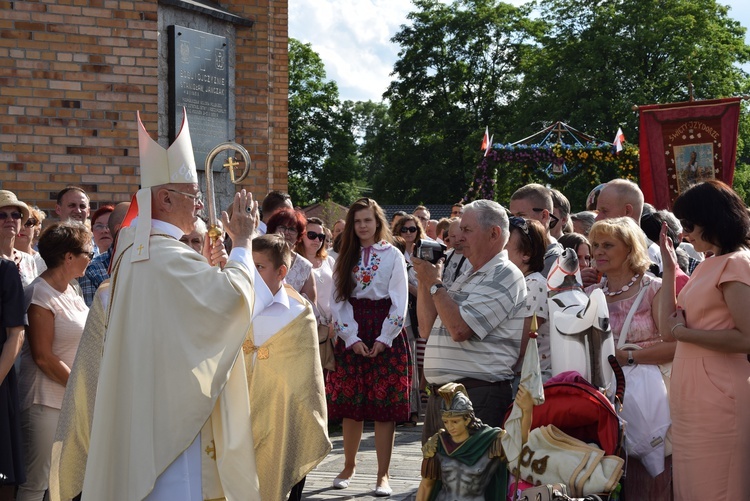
<point>579,410</point>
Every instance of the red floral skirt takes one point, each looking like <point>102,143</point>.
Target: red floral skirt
<point>371,389</point>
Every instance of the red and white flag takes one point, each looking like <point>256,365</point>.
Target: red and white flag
<point>489,145</point>
<point>619,139</point>
<point>485,139</point>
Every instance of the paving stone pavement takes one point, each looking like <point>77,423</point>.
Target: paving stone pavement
<point>406,463</point>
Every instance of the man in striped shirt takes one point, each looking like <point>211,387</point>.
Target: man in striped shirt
<point>475,338</point>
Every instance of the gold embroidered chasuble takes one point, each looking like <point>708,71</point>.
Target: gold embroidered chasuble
<point>71,446</point>
<point>168,372</point>
<point>288,403</point>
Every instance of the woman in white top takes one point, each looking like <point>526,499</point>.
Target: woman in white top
<point>526,247</point>
<point>291,224</point>
<point>13,214</point>
<point>313,247</point>
<point>29,235</point>
<point>409,229</point>
<point>373,361</point>
<point>56,316</point>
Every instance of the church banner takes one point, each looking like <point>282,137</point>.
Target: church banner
<point>685,143</point>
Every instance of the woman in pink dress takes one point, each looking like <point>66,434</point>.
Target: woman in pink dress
<point>710,390</point>
<point>620,253</point>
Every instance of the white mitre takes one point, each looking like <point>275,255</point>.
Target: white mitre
<point>159,166</point>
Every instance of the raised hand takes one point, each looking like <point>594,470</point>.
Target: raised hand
<point>241,225</point>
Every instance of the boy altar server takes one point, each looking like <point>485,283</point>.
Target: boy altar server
<point>287,393</point>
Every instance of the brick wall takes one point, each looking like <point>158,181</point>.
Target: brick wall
<point>73,73</point>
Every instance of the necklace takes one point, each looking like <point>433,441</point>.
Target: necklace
<point>625,288</point>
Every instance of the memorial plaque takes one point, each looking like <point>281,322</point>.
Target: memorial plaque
<point>199,81</point>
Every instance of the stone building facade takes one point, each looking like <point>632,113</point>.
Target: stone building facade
<point>73,74</point>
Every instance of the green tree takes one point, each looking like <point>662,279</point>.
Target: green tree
<point>599,59</point>
<point>596,60</point>
<point>741,182</point>
<point>375,134</point>
<point>457,72</point>
<point>323,161</point>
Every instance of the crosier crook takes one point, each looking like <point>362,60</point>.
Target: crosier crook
<point>214,232</point>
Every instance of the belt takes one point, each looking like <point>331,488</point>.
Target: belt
<point>470,383</point>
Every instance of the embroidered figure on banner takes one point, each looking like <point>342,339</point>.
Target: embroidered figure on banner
<point>695,163</point>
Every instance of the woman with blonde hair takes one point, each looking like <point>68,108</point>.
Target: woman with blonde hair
<point>619,252</point>
<point>29,236</point>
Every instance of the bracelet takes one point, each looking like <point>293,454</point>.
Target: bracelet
<point>675,326</point>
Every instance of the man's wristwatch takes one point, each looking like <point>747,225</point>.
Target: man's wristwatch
<point>434,288</point>
<point>631,360</point>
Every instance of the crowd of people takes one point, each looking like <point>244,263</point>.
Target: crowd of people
<point>346,324</point>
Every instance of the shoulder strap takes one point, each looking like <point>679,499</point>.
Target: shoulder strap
<point>458,268</point>
<point>626,326</point>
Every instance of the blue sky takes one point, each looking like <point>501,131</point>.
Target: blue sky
<point>353,39</point>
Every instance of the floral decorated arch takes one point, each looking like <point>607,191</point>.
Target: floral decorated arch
<point>560,155</point>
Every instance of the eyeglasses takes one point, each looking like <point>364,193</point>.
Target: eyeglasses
<point>521,224</point>
<point>13,215</point>
<point>88,254</point>
<point>31,222</point>
<point>100,227</point>
<point>312,235</point>
<point>408,229</point>
<point>553,220</point>
<point>197,197</point>
<point>687,226</point>
<point>286,229</point>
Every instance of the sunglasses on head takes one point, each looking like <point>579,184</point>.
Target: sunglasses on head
<point>520,223</point>
<point>31,222</point>
<point>553,220</point>
<point>13,215</point>
<point>312,236</point>
<point>408,229</point>
<point>687,226</point>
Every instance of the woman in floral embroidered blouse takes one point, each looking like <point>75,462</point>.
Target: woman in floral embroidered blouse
<point>373,360</point>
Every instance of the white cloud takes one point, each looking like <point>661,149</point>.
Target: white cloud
<point>352,38</point>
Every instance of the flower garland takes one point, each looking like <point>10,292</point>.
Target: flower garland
<point>554,162</point>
